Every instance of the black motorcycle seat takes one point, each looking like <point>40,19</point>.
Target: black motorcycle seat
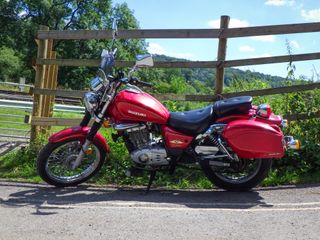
<point>236,105</point>
<point>192,122</point>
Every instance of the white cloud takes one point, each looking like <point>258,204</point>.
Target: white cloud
<point>266,38</point>
<point>237,23</point>
<point>312,15</point>
<point>234,23</point>
<point>155,48</point>
<point>246,48</point>
<point>279,3</point>
<point>294,44</point>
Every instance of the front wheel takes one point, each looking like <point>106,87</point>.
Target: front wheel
<point>241,176</point>
<point>54,163</point>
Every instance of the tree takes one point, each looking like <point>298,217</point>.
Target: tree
<point>10,64</point>
<point>23,17</point>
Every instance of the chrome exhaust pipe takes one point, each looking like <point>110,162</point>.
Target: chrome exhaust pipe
<point>292,143</point>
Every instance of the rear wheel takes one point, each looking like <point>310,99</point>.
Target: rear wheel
<point>54,163</point>
<point>240,176</point>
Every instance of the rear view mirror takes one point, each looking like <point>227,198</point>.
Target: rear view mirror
<point>144,60</point>
<point>114,29</point>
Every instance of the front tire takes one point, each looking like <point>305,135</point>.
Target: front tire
<point>236,182</point>
<point>55,160</point>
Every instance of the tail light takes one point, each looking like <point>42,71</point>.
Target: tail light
<point>264,110</point>
<point>292,143</point>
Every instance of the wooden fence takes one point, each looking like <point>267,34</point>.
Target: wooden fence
<point>46,64</point>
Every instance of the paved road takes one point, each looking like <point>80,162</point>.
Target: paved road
<point>29,211</point>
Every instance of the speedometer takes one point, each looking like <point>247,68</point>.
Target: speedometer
<point>96,84</point>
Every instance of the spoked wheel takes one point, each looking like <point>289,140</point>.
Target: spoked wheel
<point>240,176</point>
<point>55,161</point>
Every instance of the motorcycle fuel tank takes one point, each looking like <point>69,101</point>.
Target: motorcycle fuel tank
<point>137,107</point>
<point>254,139</point>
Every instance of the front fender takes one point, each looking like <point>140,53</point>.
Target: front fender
<point>79,133</point>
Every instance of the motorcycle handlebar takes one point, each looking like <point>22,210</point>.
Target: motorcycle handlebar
<point>136,81</point>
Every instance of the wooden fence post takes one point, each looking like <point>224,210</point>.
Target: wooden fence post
<point>40,75</point>
<point>222,49</point>
<point>52,85</point>
<point>45,108</point>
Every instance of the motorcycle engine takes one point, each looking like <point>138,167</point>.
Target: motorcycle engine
<point>144,148</point>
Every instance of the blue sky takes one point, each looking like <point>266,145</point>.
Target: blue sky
<point>173,14</point>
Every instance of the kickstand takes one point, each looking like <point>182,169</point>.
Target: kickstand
<point>152,176</point>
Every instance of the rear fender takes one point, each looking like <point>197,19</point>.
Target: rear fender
<point>79,133</point>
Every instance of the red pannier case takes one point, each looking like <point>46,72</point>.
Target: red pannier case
<point>254,139</point>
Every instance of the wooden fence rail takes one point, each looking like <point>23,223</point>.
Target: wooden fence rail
<point>44,58</point>
<point>180,33</point>
<point>195,98</point>
<point>181,64</point>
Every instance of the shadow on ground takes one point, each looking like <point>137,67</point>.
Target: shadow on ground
<point>44,198</point>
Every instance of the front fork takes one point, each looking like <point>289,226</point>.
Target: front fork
<point>89,138</point>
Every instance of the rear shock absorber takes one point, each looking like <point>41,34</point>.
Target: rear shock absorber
<point>217,142</point>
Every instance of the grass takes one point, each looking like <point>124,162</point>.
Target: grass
<point>18,122</point>
<point>20,164</point>
<point>16,112</point>
<point>291,177</point>
<point>9,87</point>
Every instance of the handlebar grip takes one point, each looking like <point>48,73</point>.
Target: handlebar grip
<point>136,81</point>
<point>146,84</point>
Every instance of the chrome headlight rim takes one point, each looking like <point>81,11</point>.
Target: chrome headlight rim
<point>91,102</point>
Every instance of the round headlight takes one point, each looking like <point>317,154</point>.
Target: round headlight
<point>91,101</point>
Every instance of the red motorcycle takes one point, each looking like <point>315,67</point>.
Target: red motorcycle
<point>233,141</point>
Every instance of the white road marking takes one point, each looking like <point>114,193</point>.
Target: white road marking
<point>84,206</point>
<point>183,206</point>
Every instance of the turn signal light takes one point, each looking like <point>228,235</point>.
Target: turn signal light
<point>89,151</point>
<point>292,143</point>
<point>297,144</point>
<point>106,124</point>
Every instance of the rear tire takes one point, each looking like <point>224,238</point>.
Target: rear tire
<point>245,184</point>
<point>54,161</point>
